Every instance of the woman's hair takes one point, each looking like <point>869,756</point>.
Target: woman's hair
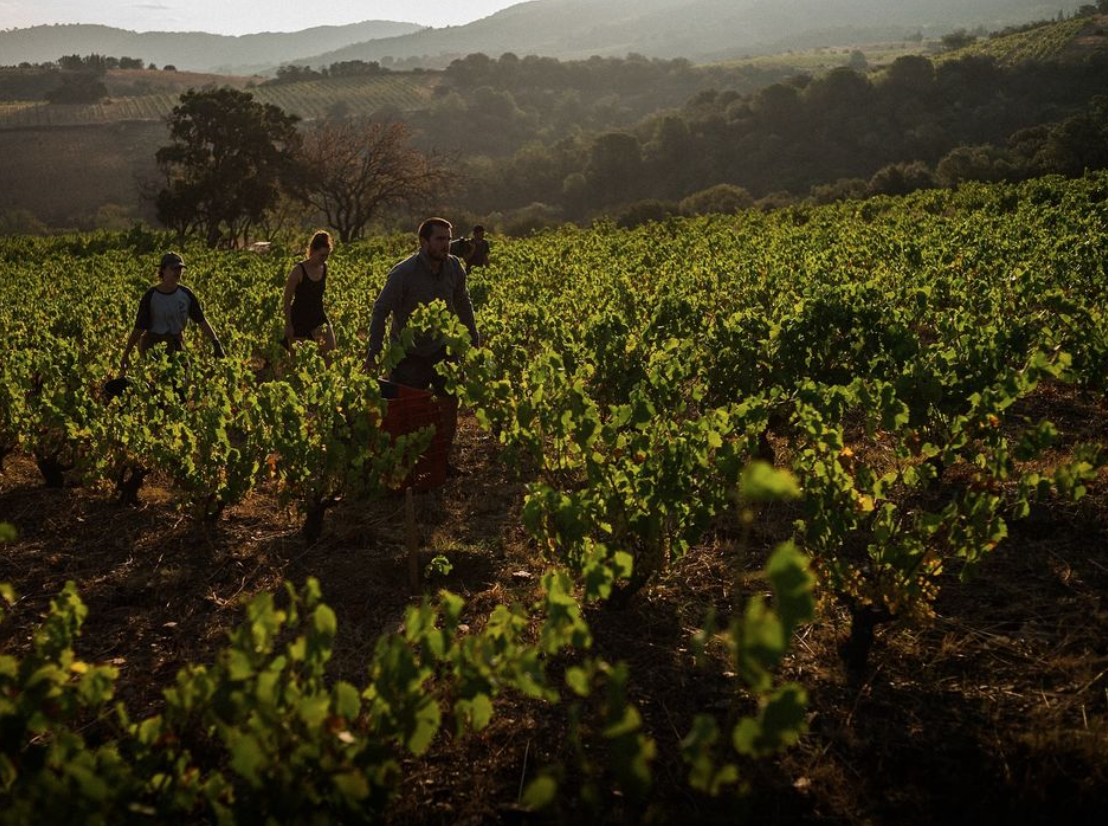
<point>321,240</point>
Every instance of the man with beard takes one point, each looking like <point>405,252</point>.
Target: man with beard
<point>430,274</point>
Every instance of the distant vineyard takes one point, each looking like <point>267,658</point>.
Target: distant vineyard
<point>313,99</point>
<point>362,96</point>
<point>147,107</point>
<point>13,109</point>
<point>1041,44</point>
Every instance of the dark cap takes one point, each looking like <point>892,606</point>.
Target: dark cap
<point>171,259</point>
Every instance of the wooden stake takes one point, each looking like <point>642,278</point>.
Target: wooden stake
<point>413,542</point>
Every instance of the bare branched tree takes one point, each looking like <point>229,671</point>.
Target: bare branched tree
<point>354,170</point>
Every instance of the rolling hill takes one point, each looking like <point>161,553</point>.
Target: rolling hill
<point>696,29</point>
<point>701,30</point>
<point>193,51</point>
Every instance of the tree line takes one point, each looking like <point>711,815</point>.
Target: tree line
<point>793,138</point>
<point>494,106</point>
<point>71,78</point>
<point>345,68</point>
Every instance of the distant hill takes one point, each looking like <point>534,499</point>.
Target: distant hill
<point>696,29</point>
<point>192,51</point>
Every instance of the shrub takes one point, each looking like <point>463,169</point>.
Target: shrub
<point>531,218</point>
<point>725,199</point>
<point>641,212</point>
<point>20,222</point>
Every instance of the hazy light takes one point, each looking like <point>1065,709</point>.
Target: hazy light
<point>241,16</point>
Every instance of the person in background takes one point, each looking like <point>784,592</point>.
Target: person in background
<point>461,248</point>
<point>165,311</point>
<point>479,253</point>
<point>429,274</point>
<point>305,318</point>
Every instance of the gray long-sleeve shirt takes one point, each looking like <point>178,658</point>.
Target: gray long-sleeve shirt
<point>412,283</point>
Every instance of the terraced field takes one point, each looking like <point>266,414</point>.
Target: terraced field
<point>312,99</point>
<point>1065,40</point>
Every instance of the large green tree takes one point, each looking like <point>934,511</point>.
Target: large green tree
<point>224,165</point>
<point>615,164</point>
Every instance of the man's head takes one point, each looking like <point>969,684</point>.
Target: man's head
<point>434,238</point>
<point>479,232</point>
<point>171,266</point>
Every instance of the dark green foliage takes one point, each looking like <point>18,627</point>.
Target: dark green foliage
<point>225,163</point>
<point>901,178</point>
<point>641,212</point>
<point>78,87</point>
<point>893,128</point>
<point>721,199</point>
<point>959,39</point>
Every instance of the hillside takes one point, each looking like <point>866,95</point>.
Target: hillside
<point>310,99</point>
<point>531,124</point>
<point>696,29</point>
<point>823,59</point>
<point>195,51</point>
<point>1068,41</point>
<point>136,82</point>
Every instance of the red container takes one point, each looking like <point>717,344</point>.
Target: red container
<point>411,410</point>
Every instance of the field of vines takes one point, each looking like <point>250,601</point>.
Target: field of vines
<point>1043,44</point>
<point>362,96</point>
<point>797,516</point>
<point>145,107</point>
<point>311,99</point>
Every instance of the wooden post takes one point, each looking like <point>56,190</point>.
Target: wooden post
<point>413,542</point>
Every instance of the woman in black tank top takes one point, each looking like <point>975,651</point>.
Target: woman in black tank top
<point>305,318</point>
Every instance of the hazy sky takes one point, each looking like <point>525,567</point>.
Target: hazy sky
<point>239,16</point>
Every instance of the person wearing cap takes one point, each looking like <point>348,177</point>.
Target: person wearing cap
<point>479,253</point>
<point>164,312</point>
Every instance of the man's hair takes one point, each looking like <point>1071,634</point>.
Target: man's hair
<point>429,226</point>
<point>478,228</point>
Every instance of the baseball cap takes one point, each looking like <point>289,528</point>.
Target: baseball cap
<point>171,259</point>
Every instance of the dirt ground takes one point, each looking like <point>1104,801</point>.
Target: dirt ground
<point>995,712</point>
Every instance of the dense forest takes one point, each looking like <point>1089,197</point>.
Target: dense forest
<point>918,123</point>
